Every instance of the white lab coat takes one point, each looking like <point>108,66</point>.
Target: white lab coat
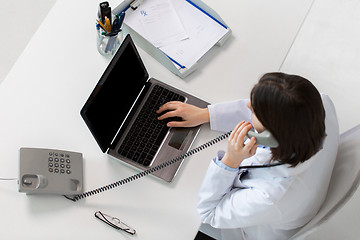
<point>268,203</point>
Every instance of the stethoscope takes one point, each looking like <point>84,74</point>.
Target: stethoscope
<point>244,169</point>
<point>262,166</point>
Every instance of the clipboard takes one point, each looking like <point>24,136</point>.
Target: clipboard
<point>156,53</point>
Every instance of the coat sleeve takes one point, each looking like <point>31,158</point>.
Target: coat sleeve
<point>223,206</point>
<point>225,116</point>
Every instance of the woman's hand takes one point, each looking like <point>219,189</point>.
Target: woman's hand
<point>191,115</point>
<point>237,151</point>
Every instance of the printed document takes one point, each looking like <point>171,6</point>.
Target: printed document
<point>195,34</point>
<point>160,22</point>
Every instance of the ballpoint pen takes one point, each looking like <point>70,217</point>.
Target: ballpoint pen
<point>116,27</point>
<point>121,20</point>
<point>111,42</point>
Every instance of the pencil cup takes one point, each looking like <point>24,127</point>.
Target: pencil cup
<point>108,43</point>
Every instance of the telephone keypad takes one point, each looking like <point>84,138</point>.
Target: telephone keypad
<point>59,163</point>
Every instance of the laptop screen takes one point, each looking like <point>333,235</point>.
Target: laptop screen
<point>114,94</point>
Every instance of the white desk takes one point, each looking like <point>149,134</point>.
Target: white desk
<point>41,98</point>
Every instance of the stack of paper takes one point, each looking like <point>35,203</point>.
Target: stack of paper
<point>177,27</point>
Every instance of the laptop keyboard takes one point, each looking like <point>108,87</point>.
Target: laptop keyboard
<point>147,132</point>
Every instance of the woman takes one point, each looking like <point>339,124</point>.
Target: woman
<point>274,201</point>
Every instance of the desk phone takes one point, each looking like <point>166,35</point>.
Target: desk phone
<point>264,138</point>
<point>61,172</point>
<point>50,171</point>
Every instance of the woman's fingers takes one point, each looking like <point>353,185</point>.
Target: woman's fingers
<point>239,132</point>
<point>243,131</point>
<point>168,106</point>
<point>234,132</point>
<point>190,115</point>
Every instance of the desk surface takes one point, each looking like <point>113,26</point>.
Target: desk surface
<point>41,98</point>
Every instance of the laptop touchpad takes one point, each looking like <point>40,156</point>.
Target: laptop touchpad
<point>180,138</point>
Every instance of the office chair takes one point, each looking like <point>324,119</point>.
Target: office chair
<point>343,183</point>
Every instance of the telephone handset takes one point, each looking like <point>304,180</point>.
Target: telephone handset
<point>264,138</point>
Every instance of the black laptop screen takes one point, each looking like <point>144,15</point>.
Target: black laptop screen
<point>114,94</point>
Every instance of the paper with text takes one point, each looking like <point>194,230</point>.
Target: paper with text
<point>160,22</point>
<point>202,31</point>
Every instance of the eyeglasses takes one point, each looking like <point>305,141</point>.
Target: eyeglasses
<point>114,222</point>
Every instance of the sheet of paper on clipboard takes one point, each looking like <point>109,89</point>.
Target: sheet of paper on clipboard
<point>161,23</point>
<point>196,33</point>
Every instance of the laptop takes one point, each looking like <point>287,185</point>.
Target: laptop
<point>121,115</point>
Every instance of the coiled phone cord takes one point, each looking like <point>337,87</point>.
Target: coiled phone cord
<point>150,170</point>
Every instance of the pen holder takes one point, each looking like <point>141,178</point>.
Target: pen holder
<point>108,43</point>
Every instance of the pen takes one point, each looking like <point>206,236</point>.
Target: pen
<point>121,20</point>
<point>110,43</point>
<point>118,22</point>
<point>115,24</point>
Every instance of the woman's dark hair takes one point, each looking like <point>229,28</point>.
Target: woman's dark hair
<point>290,107</point>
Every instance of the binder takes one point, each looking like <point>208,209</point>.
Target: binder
<point>157,53</point>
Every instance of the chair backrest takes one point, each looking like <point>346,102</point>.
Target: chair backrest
<point>344,181</point>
